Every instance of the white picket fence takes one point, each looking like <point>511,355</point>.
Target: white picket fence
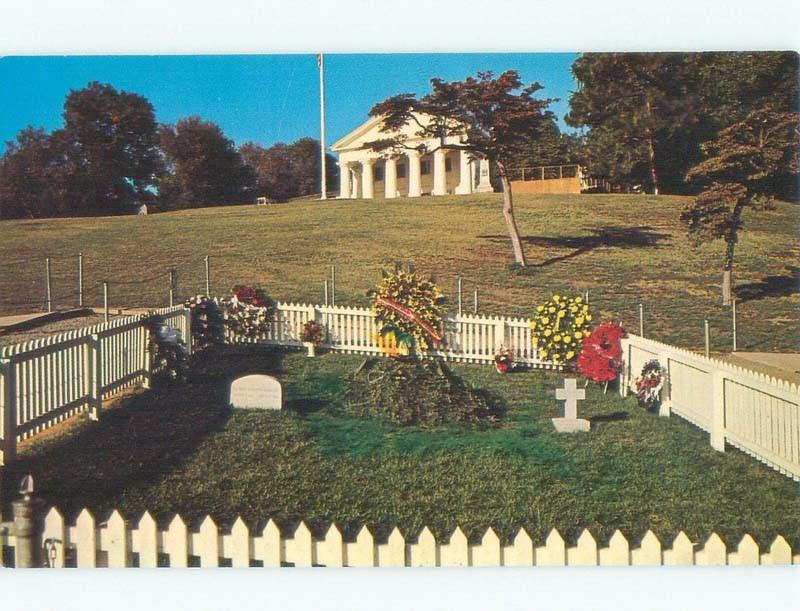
<point>118,543</point>
<point>471,339</point>
<point>47,380</point>
<point>756,413</point>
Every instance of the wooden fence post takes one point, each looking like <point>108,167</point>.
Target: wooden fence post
<point>94,375</point>
<point>500,333</point>
<point>26,529</point>
<point>147,364</point>
<point>8,411</point>
<point>665,408</point>
<point>187,313</point>
<point>718,411</point>
<point>80,279</point>
<point>208,277</point>
<point>48,289</point>
<point>105,301</point>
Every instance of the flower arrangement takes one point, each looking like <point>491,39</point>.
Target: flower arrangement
<point>169,357</point>
<point>559,327</point>
<point>252,296</point>
<point>312,333</point>
<point>207,321</point>
<point>649,384</point>
<point>504,359</point>
<point>248,313</point>
<point>600,358</point>
<point>409,308</point>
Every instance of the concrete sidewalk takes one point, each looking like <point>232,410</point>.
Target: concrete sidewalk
<point>783,365</point>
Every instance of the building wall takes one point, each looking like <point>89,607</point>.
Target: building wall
<point>552,185</point>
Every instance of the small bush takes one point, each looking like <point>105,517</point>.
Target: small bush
<point>410,391</point>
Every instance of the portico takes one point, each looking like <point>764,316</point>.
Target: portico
<point>422,167</point>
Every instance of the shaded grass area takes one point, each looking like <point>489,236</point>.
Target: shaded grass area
<point>623,249</point>
<point>178,449</point>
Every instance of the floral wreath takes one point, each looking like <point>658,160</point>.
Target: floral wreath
<point>558,327</point>
<point>408,307</point>
<point>601,354</point>
<point>649,384</point>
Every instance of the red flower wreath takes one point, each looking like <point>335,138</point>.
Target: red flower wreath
<point>601,354</point>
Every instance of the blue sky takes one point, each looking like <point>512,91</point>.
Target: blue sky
<point>263,98</point>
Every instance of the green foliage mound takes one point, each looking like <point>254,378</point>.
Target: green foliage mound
<point>411,391</point>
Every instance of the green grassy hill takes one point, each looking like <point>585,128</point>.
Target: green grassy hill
<point>623,249</point>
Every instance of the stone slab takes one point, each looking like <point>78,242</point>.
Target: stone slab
<point>256,391</point>
<point>571,425</point>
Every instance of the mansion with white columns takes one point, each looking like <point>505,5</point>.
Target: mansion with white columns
<point>368,174</point>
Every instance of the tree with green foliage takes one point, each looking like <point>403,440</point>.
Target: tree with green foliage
<point>494,118</point>
<point>105,160</point>
<point>632,103</point>
<point>285,171</point>
<point>739,173</point>
<point>31,176</point>
<point>112,150</point>
<point>203,167</point>
<point>647,114</point>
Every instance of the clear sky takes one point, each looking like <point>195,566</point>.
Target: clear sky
<point>263,98</point>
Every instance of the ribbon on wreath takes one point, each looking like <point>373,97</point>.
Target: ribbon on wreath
<point>411,316</point>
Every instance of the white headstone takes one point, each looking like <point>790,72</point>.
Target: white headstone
<point>142,210</point>
<point>256,391</point>
<point>571,394</point>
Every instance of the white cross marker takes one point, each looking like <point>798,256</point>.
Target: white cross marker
<point>571,394</point>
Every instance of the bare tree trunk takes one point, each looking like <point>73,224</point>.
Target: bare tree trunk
<point>730,240</point>
<point>651,151</point>
<point>727,274</point>
<point>508,214</point>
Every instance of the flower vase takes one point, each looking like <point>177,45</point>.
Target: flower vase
<point>310,349</point>
<point>502,367</point>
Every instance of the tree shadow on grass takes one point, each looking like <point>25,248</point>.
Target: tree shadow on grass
<point>781,285</point>
<point>146,435</point>
<point>612,417</point>
<point>608,237</point>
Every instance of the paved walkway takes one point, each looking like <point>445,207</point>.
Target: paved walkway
<point>784,365</point>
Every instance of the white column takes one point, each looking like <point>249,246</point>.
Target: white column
<point>484,185</point>
<point>344,180</point>
<point>439,172</point>
<point>390,178</point>
<point>357,188</point>
<point>414,174</point>
<point>464,186</point>
<point>367,191</point>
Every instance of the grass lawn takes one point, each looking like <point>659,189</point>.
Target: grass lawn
<point>624,249</point>
<point>179,449</point>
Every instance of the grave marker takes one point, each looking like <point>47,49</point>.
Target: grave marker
<point>256,391</point>
<point>570,394</point>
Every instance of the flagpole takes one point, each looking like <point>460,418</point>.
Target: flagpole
<point>323,177</point>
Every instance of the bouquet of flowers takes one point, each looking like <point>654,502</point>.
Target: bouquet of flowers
<point>248,313</point>
<point>601,354</point>
<point>312,333</point>
<point>649,384</point>
<point>559,326</point>
<point>207,322</point>
<point>504,360</point>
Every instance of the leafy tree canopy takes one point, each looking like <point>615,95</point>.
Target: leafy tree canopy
<point>203,166</point>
